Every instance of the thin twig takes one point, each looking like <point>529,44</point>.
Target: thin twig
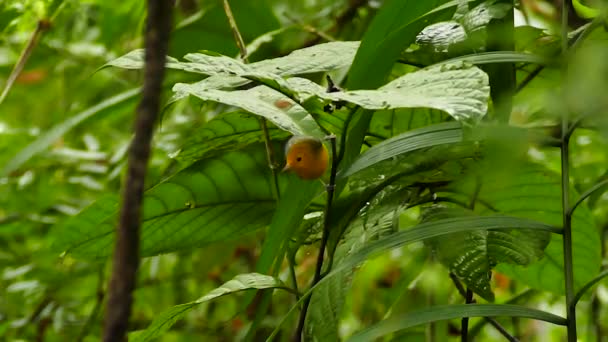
<point>235,31</point>
<point>42,26</point>
<point>464,324</point>
<point>326,222</point>
<point>310,28</point>
<point>587,193</point>
<point>565,183</point>
<point>126,251</point>
<point>263,124</point>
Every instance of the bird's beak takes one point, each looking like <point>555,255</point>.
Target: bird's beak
<point>286,168</point>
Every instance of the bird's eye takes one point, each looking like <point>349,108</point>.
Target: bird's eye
<point>299,159</point>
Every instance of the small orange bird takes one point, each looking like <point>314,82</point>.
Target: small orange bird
<point>306,156</point>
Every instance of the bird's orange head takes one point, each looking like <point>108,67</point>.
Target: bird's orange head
<point>307,157</point>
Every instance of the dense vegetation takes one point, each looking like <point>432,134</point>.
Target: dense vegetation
<point>469,161</point>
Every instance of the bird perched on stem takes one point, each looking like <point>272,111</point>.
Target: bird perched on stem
<point>306,156</point>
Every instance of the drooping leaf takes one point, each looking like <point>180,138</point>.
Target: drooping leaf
<point>444,312</point>
<point>242,282</point>
<point>261,101</point>
<point>471,256</point>
<point>534,192</point>
<point>216,199</point>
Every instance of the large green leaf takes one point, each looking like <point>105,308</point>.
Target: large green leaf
<point>457,89</point>
<point>443,312</point>
<point>471,256</point>
<point>215,199</point>
<point>261,101</point>
<point>163,321</point>
<point>224,71</point>
<point>225,132</point>
<point>534,192</point>
<point>422,232</point>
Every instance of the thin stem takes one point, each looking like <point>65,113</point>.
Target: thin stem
<point>264,125</point>
<point>464,324</point>
<point>42,26</point>
<point>468,295</point>
<point>587,193</point>
<point>270,158</point>
<point>292,272</point>
<point>587,286</point>
<point>501,329</point>
<point>567,217</point>
<point>235,31</point>
<point>310,29</point>
<point>326,222</point>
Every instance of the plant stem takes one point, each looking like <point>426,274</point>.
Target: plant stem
<point>126,251</point>
<point>464,324</point>
<point>567,235</point>
<point>42,26</point>
<point>566,214</point>
<point>235,31</point>
<point>326,222</point>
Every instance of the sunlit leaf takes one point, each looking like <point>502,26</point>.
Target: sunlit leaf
<point>242,282</point>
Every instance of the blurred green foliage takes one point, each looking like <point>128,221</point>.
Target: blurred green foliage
<point>425,147</point>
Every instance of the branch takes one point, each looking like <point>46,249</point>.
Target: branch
<point>126,251</point>
<point>42,26</point>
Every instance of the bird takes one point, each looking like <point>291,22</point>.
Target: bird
<point>306,156</point>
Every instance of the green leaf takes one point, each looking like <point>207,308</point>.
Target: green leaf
<point>457,89</point>
<point>499,57</point>
<point>422,232</point>
<point>531,191</point>
<point>393,29</point>
<point>225,132</point>
<point>260,101</point>
<point>286,219</point>
<point>215,199</point>
<point>389,123</point>
<point>443,133</point>
<point>49,137</point>
<point>225,71</point>
<point>163,322</point>
<point>471,256</point>
<point>376,220</point>
<point>444,312</point>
